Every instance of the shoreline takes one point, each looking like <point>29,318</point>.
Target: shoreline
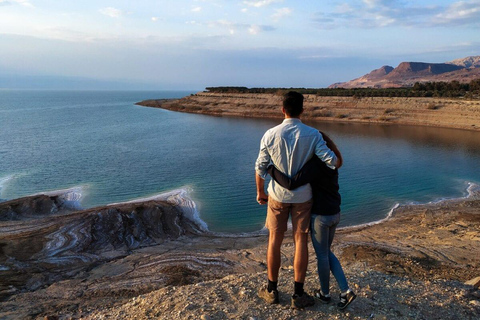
<point>431,112</point>
<point>71,199</point>
<point>472,189</point>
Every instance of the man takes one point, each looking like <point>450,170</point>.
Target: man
<point>288,146</point>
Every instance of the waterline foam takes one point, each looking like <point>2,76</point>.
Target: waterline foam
<point>472,190</point>
<point>71,197</point>
<point>3,183</point>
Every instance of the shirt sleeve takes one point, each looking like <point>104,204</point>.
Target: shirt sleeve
<point>263,159</point>
<point>324,153</point>
<point>280,178</point>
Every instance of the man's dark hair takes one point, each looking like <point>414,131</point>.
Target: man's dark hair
<point>293,103</point>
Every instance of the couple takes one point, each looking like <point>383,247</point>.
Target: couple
<point>303,165</point>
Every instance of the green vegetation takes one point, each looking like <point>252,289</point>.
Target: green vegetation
<point>453,89</point>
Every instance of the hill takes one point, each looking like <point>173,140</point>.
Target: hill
<point>406,74</point>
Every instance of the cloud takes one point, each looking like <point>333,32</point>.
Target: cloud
<point>375,3</point>
<point>385,13</point>
<point>225,24</point>
<point>196,9</point>
<point>261,3</point>
<point>459,13</point>
<point>280,13</point>
<point>111,12</point>
<point>467,48</point>
<point>24,3</point>
<point>256,29</point>
<point>233,27</point>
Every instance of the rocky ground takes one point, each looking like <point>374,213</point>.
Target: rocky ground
<point>415,265</point>
<point>441,112</point>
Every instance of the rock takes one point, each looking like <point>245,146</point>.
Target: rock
<point>475,303</point>
<point>474,282</point>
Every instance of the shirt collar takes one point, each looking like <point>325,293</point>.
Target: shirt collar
<point>292,120</point>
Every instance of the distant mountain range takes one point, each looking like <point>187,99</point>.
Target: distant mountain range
<point>407,73</point>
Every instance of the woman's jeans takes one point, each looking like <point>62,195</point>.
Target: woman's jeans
<point>322,231</point>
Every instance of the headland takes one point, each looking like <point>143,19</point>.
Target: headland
<point>422,111</point>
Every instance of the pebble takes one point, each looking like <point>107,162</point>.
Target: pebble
<point>190,306</point>
<point>475,303</point>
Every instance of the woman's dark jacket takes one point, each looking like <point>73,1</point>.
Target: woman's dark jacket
<point>322,179</point>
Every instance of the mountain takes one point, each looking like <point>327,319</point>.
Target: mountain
<point>468,62</point>
<point>407,73</point>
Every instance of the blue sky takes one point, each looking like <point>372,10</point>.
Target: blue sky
<point>191,44</point>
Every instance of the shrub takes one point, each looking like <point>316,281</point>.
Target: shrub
<point>433,106</point>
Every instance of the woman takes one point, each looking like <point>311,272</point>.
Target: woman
<point>325,217</point>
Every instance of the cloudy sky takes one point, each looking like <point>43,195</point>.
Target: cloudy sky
<point>191,44</point>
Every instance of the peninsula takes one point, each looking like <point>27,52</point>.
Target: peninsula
<point>425,111</point>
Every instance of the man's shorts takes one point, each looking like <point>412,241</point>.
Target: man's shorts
<point>278,212</point>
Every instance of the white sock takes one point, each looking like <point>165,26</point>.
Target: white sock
<point>345,293</point>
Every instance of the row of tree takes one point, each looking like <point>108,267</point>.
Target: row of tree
<point>453,89</point>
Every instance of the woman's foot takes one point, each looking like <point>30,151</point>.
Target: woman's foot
<point>346,299</point>
<point>324,298</point>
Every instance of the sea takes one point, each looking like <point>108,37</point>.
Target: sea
<point>105,149</point>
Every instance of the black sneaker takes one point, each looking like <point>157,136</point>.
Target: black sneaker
<point>346,299</point>
<point>300,302</point>
<point>268,297</point>
<point>324,299</point>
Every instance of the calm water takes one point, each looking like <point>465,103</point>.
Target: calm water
<point>117,151</point>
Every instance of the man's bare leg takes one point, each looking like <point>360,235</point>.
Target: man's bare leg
<point>269,293</point>
<point>275,240</point>
<point>300,261</point>
<point>300,298</point>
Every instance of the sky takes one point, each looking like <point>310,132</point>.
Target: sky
<point>193,44</point>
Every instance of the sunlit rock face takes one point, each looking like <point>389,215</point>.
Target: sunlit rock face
<point>43,239</point>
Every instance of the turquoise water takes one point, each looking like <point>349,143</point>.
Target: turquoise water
<point>116,151</point>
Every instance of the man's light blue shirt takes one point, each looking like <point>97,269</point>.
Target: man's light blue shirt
<point>288,147</point>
